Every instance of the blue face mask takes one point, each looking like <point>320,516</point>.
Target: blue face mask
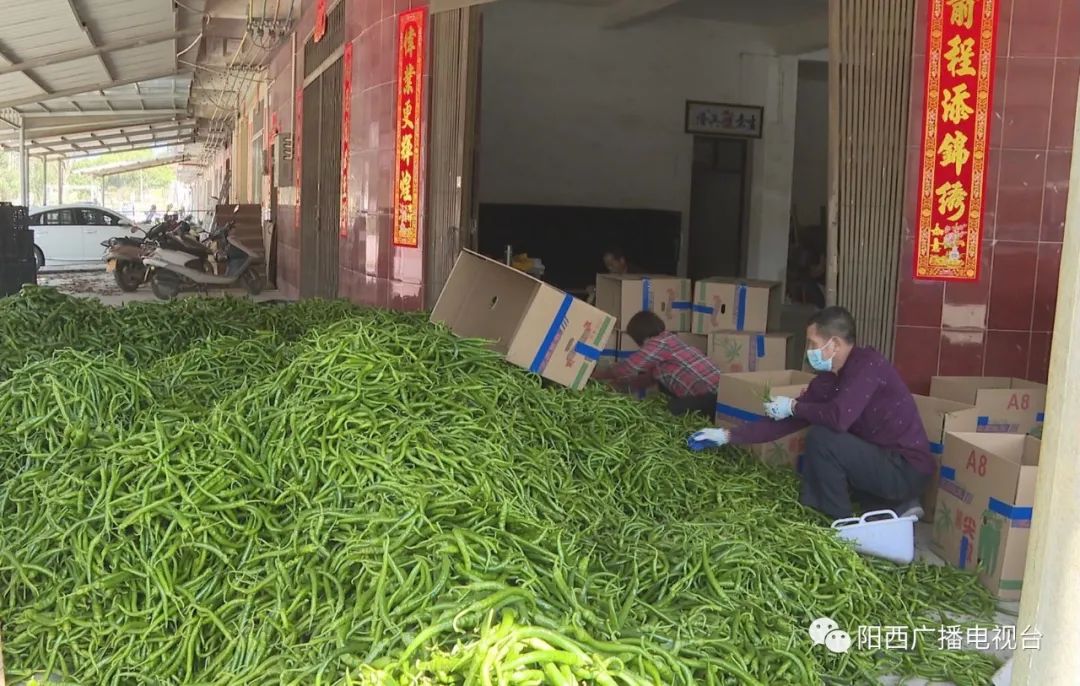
<point>816,358</point>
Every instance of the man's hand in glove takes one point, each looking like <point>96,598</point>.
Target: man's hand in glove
<point>708,438</point>
<point>780,407</point>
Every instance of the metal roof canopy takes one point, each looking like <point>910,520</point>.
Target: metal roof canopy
<point>127,167</point>
<point>89,77</point>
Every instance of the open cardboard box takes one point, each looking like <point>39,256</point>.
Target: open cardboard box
<point>533,325</point>
<point>740,398</point>
<point>939,418</point>
<point>1006,405</point>
<point>984,507</point>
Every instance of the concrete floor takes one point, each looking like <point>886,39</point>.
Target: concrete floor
<point>94,282</point>
<point>1006,615</point>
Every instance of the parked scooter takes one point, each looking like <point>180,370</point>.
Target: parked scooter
<point>124,254</point>
<point>176,270</point>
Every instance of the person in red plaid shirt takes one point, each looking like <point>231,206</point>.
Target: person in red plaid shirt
<point>681,372</point>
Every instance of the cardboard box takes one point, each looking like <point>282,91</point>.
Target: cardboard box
<point>1006,405</point>
<point>624,295</point>
<point>984,508</point>
<point>939,418</point>
<point>787,452</point>
<point>696,341</point>
<point>627,346</point>
<point>740,398</point>
<point>735,351</point>
<point>611,354</point>
<point>532,324</point>
<point>734,305</point>
<point>998,467</point>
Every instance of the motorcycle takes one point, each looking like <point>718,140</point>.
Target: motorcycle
<point>175,270</point>
<point>123,258</point>
<point>124,254</point>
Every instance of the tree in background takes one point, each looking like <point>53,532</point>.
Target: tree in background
<point>140,189</point>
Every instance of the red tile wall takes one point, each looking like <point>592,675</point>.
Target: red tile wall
<point>1001,325</point>
<point>371,270</point>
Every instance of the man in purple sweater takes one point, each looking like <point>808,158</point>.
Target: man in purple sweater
<point>866,441</point>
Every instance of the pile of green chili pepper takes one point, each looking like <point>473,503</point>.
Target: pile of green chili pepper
<point>221,492</point>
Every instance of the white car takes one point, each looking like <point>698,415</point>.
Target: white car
<point>73,234</point>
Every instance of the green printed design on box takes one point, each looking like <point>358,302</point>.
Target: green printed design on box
<point>989,543</point>
<point>581,378</point>
<point>732,350</point>
<point>943,523</point>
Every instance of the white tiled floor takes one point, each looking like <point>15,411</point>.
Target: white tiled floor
<point>1006,615</point>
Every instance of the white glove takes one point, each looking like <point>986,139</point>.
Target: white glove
<point>709,438</point>
<point>780,407</point>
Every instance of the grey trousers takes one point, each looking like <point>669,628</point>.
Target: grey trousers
<point>839,468</point>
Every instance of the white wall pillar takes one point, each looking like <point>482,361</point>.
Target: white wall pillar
<point>24,167</point>
<point>772,161</point>
<point>1051,598</point>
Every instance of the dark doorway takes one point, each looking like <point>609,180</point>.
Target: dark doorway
<point>320,184</point>
<point>717,241</point>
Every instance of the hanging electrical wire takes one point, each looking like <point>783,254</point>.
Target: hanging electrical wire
<point>227,88</point>
<point>192,45</point>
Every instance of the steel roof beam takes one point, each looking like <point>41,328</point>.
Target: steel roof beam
<point>125,135</point>
<point>90,152</point>
<point>113,170</point>
<point>109,113</point>
<point>90,37</point>
<point>9,58</point>
<point>89,88</point>
<point>101,146</point>
<point>75,129</point>
<point>87,151</point>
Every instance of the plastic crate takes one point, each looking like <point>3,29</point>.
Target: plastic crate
<point>16,245</point>
<point>13,217</point>
<point>16,273</point>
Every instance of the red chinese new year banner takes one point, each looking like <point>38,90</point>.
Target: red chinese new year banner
<point>411,26</point>
<point>956,135</point>
<point>320,20</point>
<point>346,130</point>
<point>297,140</point>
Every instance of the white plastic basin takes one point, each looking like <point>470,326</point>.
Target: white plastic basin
<point>880,534</point>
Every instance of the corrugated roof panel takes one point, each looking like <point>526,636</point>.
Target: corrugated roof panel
<point>60,106</point>
<point>39,28</point>
<point>81,72</point>
<point>16,85</point>
<point>148,59</point>
<point>115,20</point>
